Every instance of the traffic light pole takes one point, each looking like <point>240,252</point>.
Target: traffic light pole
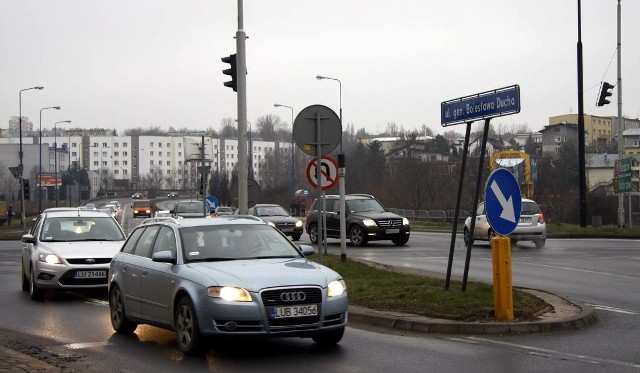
<point>241,63</point>
<point>620,124</point>
<point>581,144</point>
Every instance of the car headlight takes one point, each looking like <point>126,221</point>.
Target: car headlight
<point>336,288</point>
<point>228,293</point>
<point>271,223</point>
<point>405,221</point>
<point>299,223</point>
<point>49,258</point>
<point>369,222</point>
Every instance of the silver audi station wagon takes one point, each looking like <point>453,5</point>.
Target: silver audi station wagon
<point>223,276</point>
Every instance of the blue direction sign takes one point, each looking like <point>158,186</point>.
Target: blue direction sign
<point>503,201</point>
<point>212,202</point>
<point>496,103</point>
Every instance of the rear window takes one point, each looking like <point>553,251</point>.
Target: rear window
<point>529,208</point>
<point>141,203</point>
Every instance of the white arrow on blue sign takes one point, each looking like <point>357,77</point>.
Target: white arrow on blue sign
<point>503,201</point>
<point>212,202</point>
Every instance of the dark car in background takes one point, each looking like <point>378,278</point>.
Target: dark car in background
<point>280,218</point>
<point>366,220</point>
<point>190,209</point>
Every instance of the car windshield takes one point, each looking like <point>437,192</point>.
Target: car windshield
<point>271,211</point>
<point>364,205</point>
<point>80,228</point>
<point>235,242</point>
<point>190,207</point>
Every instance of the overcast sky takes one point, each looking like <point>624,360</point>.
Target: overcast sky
<point>141,63</point>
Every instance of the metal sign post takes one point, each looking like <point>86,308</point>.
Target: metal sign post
<point>321,138</point>
<point>485,105</point>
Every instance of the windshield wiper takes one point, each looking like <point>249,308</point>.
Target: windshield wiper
<point>212,260</point>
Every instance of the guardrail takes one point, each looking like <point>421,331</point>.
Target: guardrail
<point>432,215</point>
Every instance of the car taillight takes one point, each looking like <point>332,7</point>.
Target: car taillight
<point>540,218</point>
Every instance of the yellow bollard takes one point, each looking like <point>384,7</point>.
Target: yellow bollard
<point>502,286</point>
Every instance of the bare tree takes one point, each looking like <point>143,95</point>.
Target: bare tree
<point>269,127</point>
<point>229,129</point>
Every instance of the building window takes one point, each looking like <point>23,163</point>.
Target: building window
<point>151,144</point>
<point>124,144</point>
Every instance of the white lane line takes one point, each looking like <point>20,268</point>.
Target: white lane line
<point>613,309</point>
<point>79,346</point>
<point>569,269</point>
<point>557,354</point>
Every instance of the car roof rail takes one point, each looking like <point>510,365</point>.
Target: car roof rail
<point>159,219</point>
<point>362,195</point>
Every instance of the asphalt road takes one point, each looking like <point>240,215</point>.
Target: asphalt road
<point>73,330</point>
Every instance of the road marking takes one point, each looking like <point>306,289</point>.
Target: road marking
<point>570,269</point>
<point>79,346</point>
<point>613,309</point>
<point>537,351</point>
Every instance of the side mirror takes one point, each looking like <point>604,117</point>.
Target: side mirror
<point>307,250</point>
<point>164,256</point>
<point>28,238</point>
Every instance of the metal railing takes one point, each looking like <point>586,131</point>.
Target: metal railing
<point>431,215</point>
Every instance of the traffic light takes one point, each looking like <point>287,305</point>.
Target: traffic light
<point>25,188</point>
<point>604,93</point>
<point>232,71</point>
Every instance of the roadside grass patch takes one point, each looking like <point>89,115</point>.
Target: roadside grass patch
<point>409,293</point>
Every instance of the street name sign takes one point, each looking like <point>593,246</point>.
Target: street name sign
<point>490,104</point>
<point>503,202</point>
<point>622,175</point>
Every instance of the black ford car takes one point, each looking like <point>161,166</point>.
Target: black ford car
<point>366,220</point>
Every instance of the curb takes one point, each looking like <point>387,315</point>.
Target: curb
<point>14,361</point>
<point>565,315</point>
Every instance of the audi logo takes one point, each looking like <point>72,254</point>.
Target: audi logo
<point>90,261</point>
<point>296,296</point>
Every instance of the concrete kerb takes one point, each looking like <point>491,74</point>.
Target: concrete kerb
<point>563,315</point>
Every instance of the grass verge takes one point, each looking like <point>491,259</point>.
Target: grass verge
<point>408,293</point>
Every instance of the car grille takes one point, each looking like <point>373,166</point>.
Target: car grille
<point>272,298</point>
<point>390,223</point>
<point>89,261</point>
<point>284,225</point>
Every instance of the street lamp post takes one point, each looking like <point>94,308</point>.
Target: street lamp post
<point>341,187</point>
<point>40,155</point>
<point>22,212</point>
<point>55,155</point>
<point>293,190</point>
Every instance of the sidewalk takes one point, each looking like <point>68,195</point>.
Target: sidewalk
<point>15,362</point>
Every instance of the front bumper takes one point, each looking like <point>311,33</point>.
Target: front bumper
<point>63,276</point>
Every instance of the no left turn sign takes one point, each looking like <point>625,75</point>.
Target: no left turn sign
<point>328,172</point>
